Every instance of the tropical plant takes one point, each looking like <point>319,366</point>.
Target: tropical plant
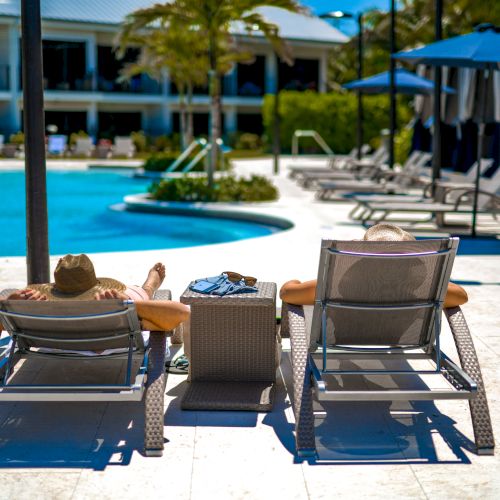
<point>333,115</point>
<point>211,21</point>
<point>178,50</point>
<point>414,26</point>
<point>225,189</point>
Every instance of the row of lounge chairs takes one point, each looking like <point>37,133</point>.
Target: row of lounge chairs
<point>376,340</point>
<point>57,145</point>
<point>380,192</point>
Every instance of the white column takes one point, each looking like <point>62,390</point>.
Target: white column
<point>92,125</point>
<point>167,118</point>
<point>323,72</point>
<point>91,59</point>
<point>231,120</point>
<point>14,66</point>
<point>271,74</point>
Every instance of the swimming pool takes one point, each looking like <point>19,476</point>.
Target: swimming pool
<point>83,217</point>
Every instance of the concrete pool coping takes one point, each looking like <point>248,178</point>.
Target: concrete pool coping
<point>232,211</point>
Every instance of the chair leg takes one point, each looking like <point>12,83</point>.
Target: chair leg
<point>177,337</point>
<point>480,413</point>
<point>154,397</point>
<point>302,389</point>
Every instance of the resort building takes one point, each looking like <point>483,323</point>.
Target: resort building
<point>81,71</point>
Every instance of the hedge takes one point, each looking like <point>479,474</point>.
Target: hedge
<point>226,189</point>
<point>333,115</point>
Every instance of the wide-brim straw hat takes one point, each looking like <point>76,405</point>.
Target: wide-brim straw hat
<point>75,279</point>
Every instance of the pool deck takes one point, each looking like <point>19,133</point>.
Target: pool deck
<point>372,450</point>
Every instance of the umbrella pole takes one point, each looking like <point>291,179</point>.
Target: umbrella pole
<point>437,155</point>
<point>392,80</point>
<point>485,81</point>
<point>37,245</point>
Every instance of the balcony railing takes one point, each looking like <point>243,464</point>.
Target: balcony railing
<point>4,77</point>
<point>91,82</point>
<point>140,84</point>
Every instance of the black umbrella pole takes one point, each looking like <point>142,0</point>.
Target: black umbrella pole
<point>486,81</point>
<point>392,91</point>
<point>276,134</point>
<point>359,128</point>
<point>437,155</point>
<point>37,247</point>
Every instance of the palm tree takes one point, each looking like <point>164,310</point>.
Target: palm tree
<point>211,20</point>
<point>179,51</point>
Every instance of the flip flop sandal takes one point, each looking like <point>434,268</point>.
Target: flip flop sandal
<point>179,365</point>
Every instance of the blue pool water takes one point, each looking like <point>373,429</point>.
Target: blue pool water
<point>81,220</point>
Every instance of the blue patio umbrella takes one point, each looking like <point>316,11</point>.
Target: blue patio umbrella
<point>479,49</point>
<point>406,83</point>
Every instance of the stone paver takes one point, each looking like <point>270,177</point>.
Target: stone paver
<point>399,450</point>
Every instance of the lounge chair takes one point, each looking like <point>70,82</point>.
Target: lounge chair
<point>123,146</point>
<point>56,144</point>
<point>375,334</point>
<point>452,198</point>
<point>354,169</point>
<point>61,330</point>
<point>375,175</point>
<point>334,163</point>
<point>83,147</point>
<point>446,190</point>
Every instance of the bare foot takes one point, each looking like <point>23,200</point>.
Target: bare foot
<point>154,280</point>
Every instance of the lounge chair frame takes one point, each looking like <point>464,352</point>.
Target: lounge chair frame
<point>310,368</point>
<point>147,384</point>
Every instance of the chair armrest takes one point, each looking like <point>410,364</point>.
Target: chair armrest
<point>302,388</point>
<point>495,200</point>
<point>163,295</point>
<point>481,421</point>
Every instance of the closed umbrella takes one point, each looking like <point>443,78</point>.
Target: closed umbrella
<point>406,83</point>
<point>37,246</point>
<point>479,49</point>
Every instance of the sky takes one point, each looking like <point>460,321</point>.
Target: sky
<point>348,26</point>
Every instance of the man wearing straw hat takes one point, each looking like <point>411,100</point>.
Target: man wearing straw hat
<point>303,293</point>
<point>75,279</point>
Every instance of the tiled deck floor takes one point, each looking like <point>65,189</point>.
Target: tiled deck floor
<point>399,450</point>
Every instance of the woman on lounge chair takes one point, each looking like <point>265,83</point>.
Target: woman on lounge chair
<point>303,293</point>
<point>75,279</point>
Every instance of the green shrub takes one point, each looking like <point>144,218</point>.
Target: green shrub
<point>248,141</point>
<point>81,134</point>
<point>226,189</point>
<point>17,138</point>
<point>333,115</point>
<point>159,162</point>
<point>140,141</point>
<point>402,144</point>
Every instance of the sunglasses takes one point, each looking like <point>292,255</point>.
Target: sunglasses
<point>236,277</point>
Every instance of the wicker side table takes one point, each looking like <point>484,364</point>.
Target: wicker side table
<point>233,346</point>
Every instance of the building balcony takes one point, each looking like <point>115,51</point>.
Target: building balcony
<point>92,82</point>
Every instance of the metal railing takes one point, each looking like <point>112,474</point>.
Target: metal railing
<point>298,134</point>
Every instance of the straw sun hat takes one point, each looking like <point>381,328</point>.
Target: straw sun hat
<point>75,279</point>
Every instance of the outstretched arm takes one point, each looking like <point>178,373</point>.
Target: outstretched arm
<point>161,315</point>
<point>298,293</point>
<point>455,296</point>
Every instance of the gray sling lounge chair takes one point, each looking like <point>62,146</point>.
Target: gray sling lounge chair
<point>336,163</point>
<point>61,330</point>
<point>379,339</point>
<point>446,191</point>
<point>354,170</point>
